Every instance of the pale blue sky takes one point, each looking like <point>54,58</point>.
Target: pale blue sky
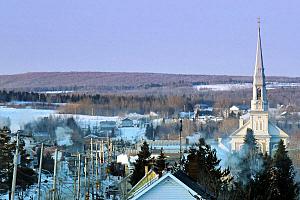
<point>172,36</point>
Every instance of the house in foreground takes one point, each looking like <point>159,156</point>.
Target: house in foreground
<point>171,186</point>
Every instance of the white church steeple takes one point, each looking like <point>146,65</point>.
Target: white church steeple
<point>266,133</point>
<point>259,100</point>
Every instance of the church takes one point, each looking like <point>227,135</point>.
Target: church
<point>266,133</point>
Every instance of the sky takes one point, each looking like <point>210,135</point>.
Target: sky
<point>166,36</point>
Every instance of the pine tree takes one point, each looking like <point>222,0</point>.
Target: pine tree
<point>263,178</point>
<point>203,166</point>
<point>250,163</point>
<point>24,156</point>
<point>278,175</point>
<point>191,165</point>
<point>160,163</point>
<point>26,176</point>
<point>6,160</point>
<point>141,162</point>
<point>284,175</point>
<point>149,131</point>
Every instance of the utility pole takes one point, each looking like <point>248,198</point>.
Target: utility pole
<point>100,162</point>
<point>180,133</point>
<point>102,152</point>
<point>13,186</point>
<point>79,175</point>
<point>92,167</point>
<point>75,179</point>
<point>40,172</point>
<point>97,183</point>
<point>85,174</point>
<point>54,176</point>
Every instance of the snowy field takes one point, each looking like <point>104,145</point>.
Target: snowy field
<point>87,120</point>
<point>240,86</point>
<point>223,87</point>
<point>132,133</point>
<point>20,117</point>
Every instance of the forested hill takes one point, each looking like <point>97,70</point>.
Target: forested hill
<point>114,81</point>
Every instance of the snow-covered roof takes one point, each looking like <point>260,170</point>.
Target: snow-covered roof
<point>123,159</point>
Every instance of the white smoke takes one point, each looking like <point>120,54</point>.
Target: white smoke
<point>63,136</point>
<point>4,121</point>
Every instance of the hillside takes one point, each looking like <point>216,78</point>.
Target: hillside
<point>115,81</point>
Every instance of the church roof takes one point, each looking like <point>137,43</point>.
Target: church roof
<point>273,131</point>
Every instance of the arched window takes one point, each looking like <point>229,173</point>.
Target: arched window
<point>258,93</point>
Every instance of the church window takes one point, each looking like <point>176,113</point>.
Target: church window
<point>260,125</point>
<point>258,93</point>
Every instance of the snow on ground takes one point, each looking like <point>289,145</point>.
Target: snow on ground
<point>87,120</point>
<point>63,136</point>
<point>132,133</point>
<point>223,87</point>
<point>239,86</point>
<point>20,117</point>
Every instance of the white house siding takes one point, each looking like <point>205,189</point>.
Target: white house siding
<point>167,189</point>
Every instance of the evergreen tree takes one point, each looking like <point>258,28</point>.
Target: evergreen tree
<point>263,178</point>
<point>6,160</point>
<point>191,166</point>
<point>26,176</point>
<point>284,175</point>
<point>24,156</point>
<point>275,181</point>
<point>139,166</point>
<point>149,131</point>
<point>203,166</point>
<point>251,161</point>
<point>160,163</point>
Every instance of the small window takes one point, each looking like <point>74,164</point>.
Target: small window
<point>260,126</point>
<point>258,93</point>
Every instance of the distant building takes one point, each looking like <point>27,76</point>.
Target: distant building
<point>266,133</point>
<point>194,138</point>
<point>107,125</point>
<point>186,115</point>
<point>127,122</point>
<point>143,122</point>
<point>238,110</point>
<point>202,109</point>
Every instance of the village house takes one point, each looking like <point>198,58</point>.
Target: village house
<point>127,122</point>
<point>169,186</point>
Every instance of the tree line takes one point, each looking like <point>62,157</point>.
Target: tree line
<point>166,104</point>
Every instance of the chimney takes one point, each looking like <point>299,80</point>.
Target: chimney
<point>241,122</point>
<point>146,170</point>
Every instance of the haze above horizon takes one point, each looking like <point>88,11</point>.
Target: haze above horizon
<point>171,36</point>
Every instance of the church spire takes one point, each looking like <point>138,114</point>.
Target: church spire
<point>259,76</point>
<point>259,100</point>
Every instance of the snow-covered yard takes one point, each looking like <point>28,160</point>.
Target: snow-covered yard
<point>132,133</point>
<point>20,117</point>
